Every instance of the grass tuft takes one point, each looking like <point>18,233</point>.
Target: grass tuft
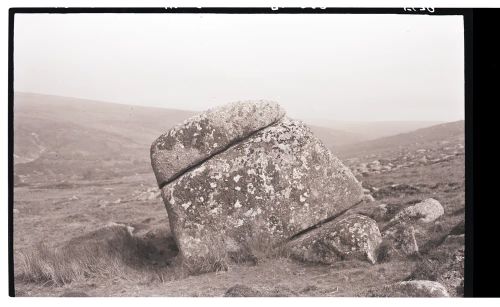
<point>106,252</point>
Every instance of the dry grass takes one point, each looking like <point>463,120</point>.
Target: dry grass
<point>214,259</point>
<point>55,267</point>
<point>106,252</point>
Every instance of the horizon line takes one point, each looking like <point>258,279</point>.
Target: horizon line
<point>199,111</point>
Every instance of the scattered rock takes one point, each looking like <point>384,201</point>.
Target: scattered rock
<point>242,291</point>
<point>413,288</point>
<point>426,211</point>
<point>423,160</point>
<point>16,211</point>
<point>351,237</point>
<point>267,187</point>
<point>375,166</point>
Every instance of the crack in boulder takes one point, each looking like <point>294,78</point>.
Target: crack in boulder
<point>322,222</point>
<point>202,136</point>
<point>200,162</point>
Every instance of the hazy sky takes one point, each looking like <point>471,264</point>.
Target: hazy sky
<point>343,67</point>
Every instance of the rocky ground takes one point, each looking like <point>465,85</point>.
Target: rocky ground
<point>52,212</point>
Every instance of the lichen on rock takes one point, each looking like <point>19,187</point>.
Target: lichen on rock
<point>208,133</point>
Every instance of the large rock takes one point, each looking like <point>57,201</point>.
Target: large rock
<point>267,187</point>
<point>209,133</point>
<point>347,238</point>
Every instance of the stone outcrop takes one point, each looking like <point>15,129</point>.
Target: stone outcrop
<point>266,179</point>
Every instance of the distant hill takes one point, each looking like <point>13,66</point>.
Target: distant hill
<point>70,128</point>
<point>70,136</point>
<point>334,138</point>
<point>67,137</point>
<point>371,130</point>
<point>452,133</point>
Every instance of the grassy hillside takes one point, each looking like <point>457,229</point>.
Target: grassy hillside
<point>426,138</point>
<point>371,130</point>
<point>72,138</point>
<point>334,138</point>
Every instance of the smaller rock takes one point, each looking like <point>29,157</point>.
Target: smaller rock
<point>414,288</point>
<point>375,165</point>
<point>16,211</point>
<point>351,237</point>
<point>426,211</point>
<point>242,291</point>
